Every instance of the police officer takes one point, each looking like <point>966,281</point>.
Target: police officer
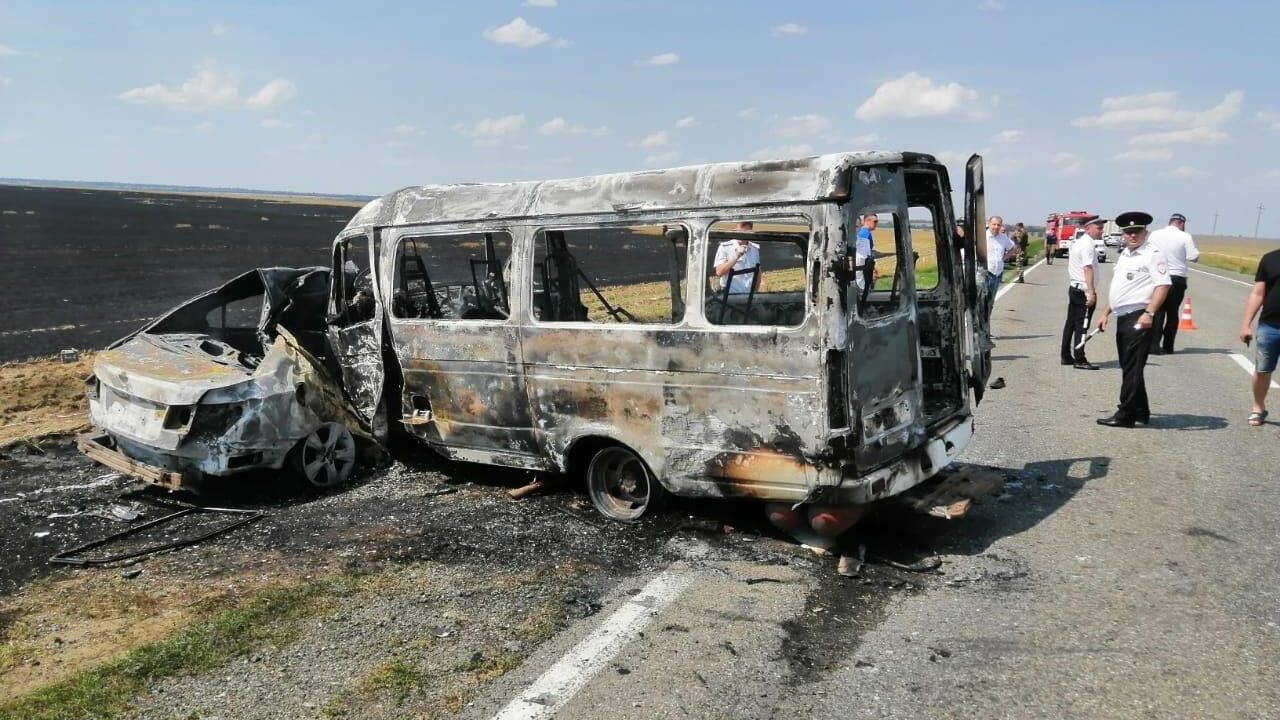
<point>1139,286</point>
<point>1082,296</point>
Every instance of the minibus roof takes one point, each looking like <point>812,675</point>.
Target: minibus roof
<point>717,185</point>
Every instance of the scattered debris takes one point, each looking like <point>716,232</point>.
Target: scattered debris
<point>952,494</point>
<point>757,581</point>
<point>119,512</point>
<point>41,533</point>
<point>73,556</point>
<point>69,355</point>
<point>131,574</point>
<point>997,384</point>
<point>526,490</point>
<point>851,565</point>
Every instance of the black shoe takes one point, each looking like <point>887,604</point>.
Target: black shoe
<point>1068,362</point>
<point>1143,419</point>
<point>1116,421</point>
<point>1168,351</point>
<point>1086,365</point>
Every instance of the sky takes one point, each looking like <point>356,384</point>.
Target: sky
<point>1104,106</point>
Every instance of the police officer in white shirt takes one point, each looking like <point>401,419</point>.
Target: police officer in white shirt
<point>739,254</point>
<point>1179,249</point>
<point>1139,284</point>
<point>1082,296</point>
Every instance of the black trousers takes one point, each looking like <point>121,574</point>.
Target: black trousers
<point>1133,347</point>
<point>1169,316</point>
<point>1079,315</point>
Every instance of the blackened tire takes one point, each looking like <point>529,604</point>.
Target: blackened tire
<point>620,484</point>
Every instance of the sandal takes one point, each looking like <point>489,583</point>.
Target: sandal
<point>1258,417</point>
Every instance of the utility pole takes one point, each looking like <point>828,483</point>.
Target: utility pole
<point>1258,221</point>
<point>1214,231</point>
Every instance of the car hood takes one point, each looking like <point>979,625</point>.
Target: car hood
<point>171,369</point>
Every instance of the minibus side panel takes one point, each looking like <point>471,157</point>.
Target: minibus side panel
<point>463,380</point>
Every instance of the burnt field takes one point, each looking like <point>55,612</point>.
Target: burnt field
<point>80,268</point>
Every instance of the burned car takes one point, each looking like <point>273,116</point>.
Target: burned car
<point>231,380</point>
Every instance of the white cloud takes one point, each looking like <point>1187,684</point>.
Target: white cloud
<point>915,96</point>
<point>211,89</point>
<point>1193,136</point>
<point>273,93</point>
<point>1009,136</point>
<point>991,5</point>
<point>667,58</point>
<point>275,124</point>
<point>657,139</point>
<point>559,43</point>
<point>1271,119</point>
<point>783,152</point>
<point>661,159</point>
<point>1157,154</point>
<point>407,129</point>
<point>561,126</point>
<point>518,33</point>
<point>802,126</point>
<point>747,113</point>
<point>686,122</point>
<point>491,131</point>
<point>6,50</point>
<point>1186,171</point>
<point>541,3</point>
<point>790,29</point>
<point>1159,108</point>
<point>219,29</point>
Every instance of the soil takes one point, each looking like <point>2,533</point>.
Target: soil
<point>81,268</point>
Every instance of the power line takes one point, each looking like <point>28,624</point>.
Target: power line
<point>1257,222</point>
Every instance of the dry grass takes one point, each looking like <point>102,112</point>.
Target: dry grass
<point>1233,254</point>
<point>42,397</point>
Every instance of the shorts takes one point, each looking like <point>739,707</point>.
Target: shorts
<point>1268,348</point>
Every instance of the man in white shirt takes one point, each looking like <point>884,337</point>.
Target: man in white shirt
<point>999,248</point>
<point>1082,297</point>
<point>739,254</point>
<point>1179,249</point>
<point>1139,284</point>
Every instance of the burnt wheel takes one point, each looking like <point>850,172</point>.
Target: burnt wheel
<point>326,457</point>
<point>620,484</point>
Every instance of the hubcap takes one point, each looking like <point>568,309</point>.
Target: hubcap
<point>328,455</point>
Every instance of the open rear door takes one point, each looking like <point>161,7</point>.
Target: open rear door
<point>975,228</point>
<point>355,326</point>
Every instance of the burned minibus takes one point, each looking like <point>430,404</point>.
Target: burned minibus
<point>595,326</point>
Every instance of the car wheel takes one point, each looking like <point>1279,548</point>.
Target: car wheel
<point>327,456</point>
<point>620,484</point>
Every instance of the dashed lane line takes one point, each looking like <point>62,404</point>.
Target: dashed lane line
<point>1243,362</point>
<point>572,672</point>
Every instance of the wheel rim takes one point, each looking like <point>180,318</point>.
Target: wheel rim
<point>328,455</point>
<point>620,485</point>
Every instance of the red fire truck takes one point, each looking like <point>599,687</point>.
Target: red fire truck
<point>1065,225</point>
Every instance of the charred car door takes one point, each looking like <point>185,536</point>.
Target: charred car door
<point>355,325</point>
<point>884,349</point>
<point>977,340</point>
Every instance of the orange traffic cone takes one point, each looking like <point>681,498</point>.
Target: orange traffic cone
<point>1187,322</point>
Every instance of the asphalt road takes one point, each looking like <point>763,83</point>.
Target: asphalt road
<point>1127,573</point>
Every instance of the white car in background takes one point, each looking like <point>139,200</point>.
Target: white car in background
<point>1099,245</point>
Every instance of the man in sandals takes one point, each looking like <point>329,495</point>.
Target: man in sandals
<point>1265,297</point>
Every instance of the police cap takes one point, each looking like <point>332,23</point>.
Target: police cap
<point>1096,220</point>
<point>1133,219</point>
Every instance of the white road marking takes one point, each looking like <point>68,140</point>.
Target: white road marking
<point>1009,285</point>
<point>1243,362</point>
<point>572,672</point>
<point>1220,277</point>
